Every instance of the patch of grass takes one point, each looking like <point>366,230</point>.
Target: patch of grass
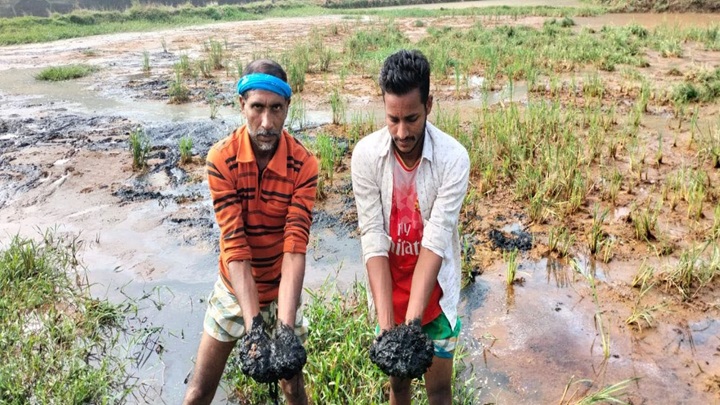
<point>215,51</point>
<point>58,343</point>
<point>560,240</point>
<point>337,106</point>
<point>296,115</point>
<point>697,266</point>
<point>140,148</point>
<point>185,145</point>
<point>59,73</point>
<point>361,124</point>
<point>645,221</point>
<point>178,91</point>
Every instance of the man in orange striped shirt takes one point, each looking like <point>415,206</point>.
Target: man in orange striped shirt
<point>262,183</point>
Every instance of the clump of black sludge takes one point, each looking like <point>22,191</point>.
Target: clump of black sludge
<point>404,351</point>
<point>519,240</point>
<point>267,360</point>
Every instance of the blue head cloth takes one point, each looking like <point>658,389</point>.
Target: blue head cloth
<point>262,81</point>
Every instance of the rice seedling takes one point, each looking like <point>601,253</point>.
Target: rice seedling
<point>361,124</point>
<point>163,43</point>
<point>714,233</point>
<point>215,51</point>
<point>328,152</point>
<point>67,72</point>
<point>608,394</point>
<point>512,266</point>
<point>613,184</point>
<point>709,146</point>
<point>600,325</point>
<point>337,106</point>
<point>642,316</point>
<point>140,148</point>
<point>560,240</point>
<point>178,91</point>
<point>448,121</point>
<point>146,62</point>
<point>297,64</point>
<point>690,270</point>
<point>596,235</point>
<point>186,145</point>
<point>643,279</point>
<point>644,221</point>
<point>296,115</point>
<point>184,66</point>
<point>205,68</point>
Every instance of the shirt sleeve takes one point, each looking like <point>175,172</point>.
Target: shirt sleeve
<point>299,216</point>
<point>440,228</point>
<point>366,187</point>
<point>227,207</point>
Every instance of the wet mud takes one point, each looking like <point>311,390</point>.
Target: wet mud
<point>403,351</point>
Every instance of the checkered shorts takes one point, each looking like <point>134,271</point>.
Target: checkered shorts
<point>224,321</point>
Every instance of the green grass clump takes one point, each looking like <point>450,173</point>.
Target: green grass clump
<point>186,145</point>
<point>59,73</point>
<point>58,342</point>
<point>140,149</point>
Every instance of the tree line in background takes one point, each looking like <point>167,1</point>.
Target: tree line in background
<point>43,8</point>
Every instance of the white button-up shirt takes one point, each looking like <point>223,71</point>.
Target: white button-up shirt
<point>441,184</point>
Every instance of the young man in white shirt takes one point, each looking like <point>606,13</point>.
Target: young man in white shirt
<point>409,181</point>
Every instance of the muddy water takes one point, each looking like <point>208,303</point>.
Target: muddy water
<point>529,340</point>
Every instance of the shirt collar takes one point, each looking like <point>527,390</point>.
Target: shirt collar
<point>278,163</point>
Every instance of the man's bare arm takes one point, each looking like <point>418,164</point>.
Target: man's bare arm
<point>378,269</point>
<point>243,284</point>
<point>423,282</point>
<point>291,284</point>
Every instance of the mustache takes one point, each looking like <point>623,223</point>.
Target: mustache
<point>265,132</point>
<point>409,138</point>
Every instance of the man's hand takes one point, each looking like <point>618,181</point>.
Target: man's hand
<point>288,353</point>
<point>256,353</point>
<point>404,351</point>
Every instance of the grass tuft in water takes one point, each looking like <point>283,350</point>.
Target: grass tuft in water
<point>60,73</point>
<point>139,148</point>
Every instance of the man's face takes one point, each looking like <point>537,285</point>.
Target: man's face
<point>405,117</point>
<point>265,113</point>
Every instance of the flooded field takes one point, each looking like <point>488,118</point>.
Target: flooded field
<point>564,327</point>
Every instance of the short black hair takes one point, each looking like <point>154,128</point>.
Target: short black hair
<point>405,71</point>
<point>267,66</point>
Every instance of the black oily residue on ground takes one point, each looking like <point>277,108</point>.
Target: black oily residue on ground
<point>519,240</point>
<point>157,88</point>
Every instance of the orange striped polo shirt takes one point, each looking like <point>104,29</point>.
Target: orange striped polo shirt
<point>261,216</point>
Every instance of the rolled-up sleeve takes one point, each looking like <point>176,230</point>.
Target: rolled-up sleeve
<point>366,186</point>
<point>299,217</point>
<point>441,226</point>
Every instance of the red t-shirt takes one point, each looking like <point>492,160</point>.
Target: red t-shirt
<point>406,232</point>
